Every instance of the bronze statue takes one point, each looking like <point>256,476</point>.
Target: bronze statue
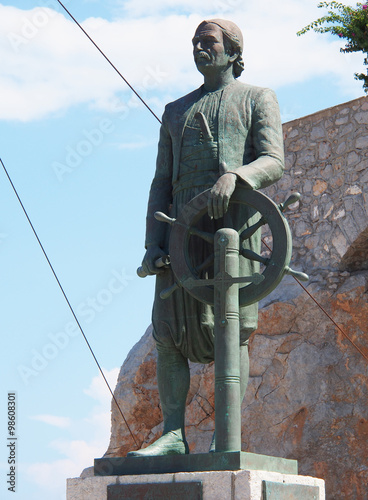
<point>221,134</point>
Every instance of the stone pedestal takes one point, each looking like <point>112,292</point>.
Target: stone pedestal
<point>229,485</point>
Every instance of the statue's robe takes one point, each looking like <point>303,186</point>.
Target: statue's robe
<point>246,140</point>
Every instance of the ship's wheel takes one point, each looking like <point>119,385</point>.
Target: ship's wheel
<point>252,288</point>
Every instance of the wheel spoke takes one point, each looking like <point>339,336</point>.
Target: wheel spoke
<point>249,254</point>
<point>209,237</point>
<point>247,233</point>
<point>206,264</point>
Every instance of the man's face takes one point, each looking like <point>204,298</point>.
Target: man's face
<point>209,50</point>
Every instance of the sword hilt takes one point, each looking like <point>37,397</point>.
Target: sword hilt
<point>203,123</point>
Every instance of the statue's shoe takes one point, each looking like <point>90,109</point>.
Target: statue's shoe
<point>168,444</point>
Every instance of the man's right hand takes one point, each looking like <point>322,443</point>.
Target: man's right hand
<point>153,253</point>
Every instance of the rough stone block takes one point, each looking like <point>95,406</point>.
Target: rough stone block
<point>362,142</point>
<point>229,485</point>
<point>216,484</point>
<point>275,491</point>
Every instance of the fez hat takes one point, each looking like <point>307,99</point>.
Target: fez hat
<point>230,28</point>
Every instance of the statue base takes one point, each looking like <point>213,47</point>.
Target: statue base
<point>237,460</point>
<point>211,485</point>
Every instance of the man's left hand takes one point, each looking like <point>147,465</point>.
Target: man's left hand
<point>220,194</point>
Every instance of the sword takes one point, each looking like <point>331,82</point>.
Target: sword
<point>205,129</point>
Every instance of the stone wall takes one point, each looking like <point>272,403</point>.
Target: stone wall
<point>308,389</point>
<point>326,157</point>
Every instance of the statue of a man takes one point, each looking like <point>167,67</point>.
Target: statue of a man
<point>223,133</point>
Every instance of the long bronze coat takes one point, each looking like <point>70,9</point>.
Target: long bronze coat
<point>250,143</point>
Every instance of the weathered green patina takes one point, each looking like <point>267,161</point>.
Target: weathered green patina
<point>222,135</point>
<point>226,290</point>
<point>124,466</point>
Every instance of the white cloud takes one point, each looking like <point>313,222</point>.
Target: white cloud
<point>77,454</point>
<point>146,8</point>
<point>53,420</point>
<point>51,476</point>
<point>49,65</point>
<point>275,56</point>
<point>98,389</point>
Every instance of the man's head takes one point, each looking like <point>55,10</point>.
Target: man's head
<point>214,41</point>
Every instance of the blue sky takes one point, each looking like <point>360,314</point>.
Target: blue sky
<point>81,153</point>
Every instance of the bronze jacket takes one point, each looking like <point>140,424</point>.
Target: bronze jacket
<point>249,138</point>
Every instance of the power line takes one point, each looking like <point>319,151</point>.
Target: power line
<point>54,273</point>
<point>67,300</point>
<point>331,319</point>
<point>325,312</point>
<point>108,60</point>
<point>130,86</point>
